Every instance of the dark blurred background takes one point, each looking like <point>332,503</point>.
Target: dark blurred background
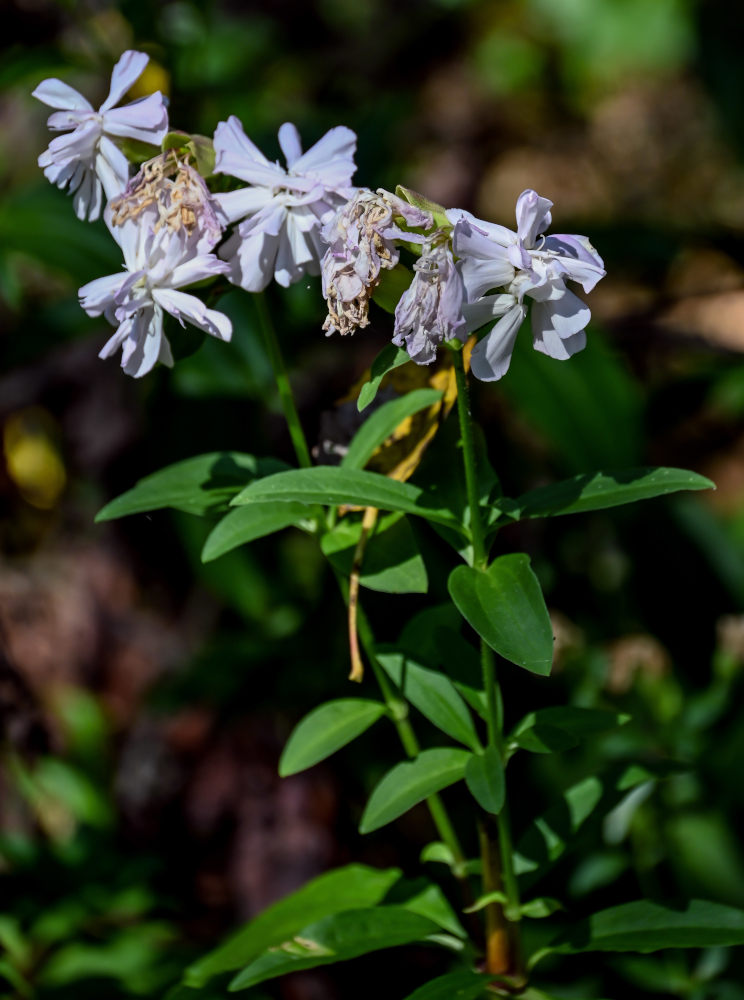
<point>145,698</point>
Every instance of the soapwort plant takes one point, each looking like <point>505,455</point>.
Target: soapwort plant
<point>202,212</point>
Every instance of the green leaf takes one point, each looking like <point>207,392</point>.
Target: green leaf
<point>484,776</point>
<point>342,889</point>
<point>390,357</point>
<point>505,606</point>
<point>325,730</point>
<point>554,729</point>
<point>337,938</point>
<point>392,562</point>
<point>378,427</point>
<point>433,695</point>
<point>427,899</point>
<point>409,783</point>
<point>496,896</point>
<point>596,491</point>
<point>334,486</point>
<point>548,836</point>
<point>246,524</point>
<point>460,985</point>
<point>540,907</point>
<point>644,926</point>
<point>196,485</point>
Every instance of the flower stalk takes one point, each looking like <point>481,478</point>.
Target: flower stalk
<point>286,397</point>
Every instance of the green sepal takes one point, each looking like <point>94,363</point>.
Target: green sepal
<point>438,212</point>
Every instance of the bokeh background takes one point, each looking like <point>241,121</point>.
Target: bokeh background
<point>145,698</point>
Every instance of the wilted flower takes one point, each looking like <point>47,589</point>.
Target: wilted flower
<point>179,196</point>
<point>156,265</point>
<point>361,243</point>
<point>523,264</point>
<point>430,311</point>
<point>86,160</point>
<point>282,210</point>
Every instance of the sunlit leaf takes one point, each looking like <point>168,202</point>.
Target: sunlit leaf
<point>342,889</point>
<point>392,562</point>
<point>337,938</point>
<point>484,776</point>
<point>378,427</point>
<point>246,524</point>
<point>409,783</point>
<point>434,696</point>
<point>334,486</point>
<point>325,730</point>
<point>196,485</point>
<point>506,607</point>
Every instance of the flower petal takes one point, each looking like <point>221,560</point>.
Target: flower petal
<point>533,216</point>
<point>491,356</point>
<point>237,156</point>
<point>477,314</point>
<point>145,120</point>
<point>579,259</point>
<point>61,95</point>
<point>128,69</point>
<point>204,265</point>
<point>98,295</point>
<point>331,159</point>
<point>244,202</point>
<point>289,142</point>
<point>112,168</point>
<point>180,305</point>
<point>556,324</point>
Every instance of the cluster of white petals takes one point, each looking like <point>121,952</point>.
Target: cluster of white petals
<point>513,266</point>
<point>158,262</point>
<point>298,219</point>
<point>86,159</point>
<point>281,213</point>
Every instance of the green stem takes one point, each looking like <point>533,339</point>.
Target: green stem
<point>503,945</point>
<point>282,382</point>
<point>399,711</point>
<point>480,556</point>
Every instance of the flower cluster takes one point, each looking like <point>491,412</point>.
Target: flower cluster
<point>305,218</point>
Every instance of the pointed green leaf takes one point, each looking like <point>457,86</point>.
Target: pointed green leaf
<point>434,695</point>
<point>598,490</point>
<point>505,606</point>
<point>548,836</point>
<point>390,357</point>
<point>554,729</point>
<point>409,783</point>
<point>196,485</point>
<point>427,899</point>
<point>484,776</point>
<point>334,486</point>
<point>460,985</point>
<point>540,907</point>
<point>645,926</point>
<point>245,524</point>
<point>337,938</point>
<point>378,427</point>
<point>325,730</point>
<point>439,212</point>
<point>344,888</point>
<point>392,562</point>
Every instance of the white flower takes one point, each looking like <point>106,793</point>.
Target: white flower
<point>156,265</point>
<point>86,160</point>
<point>282,210</point>
<point>523,264</point>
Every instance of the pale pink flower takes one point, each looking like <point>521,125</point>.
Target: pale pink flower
<point>86,160</point>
